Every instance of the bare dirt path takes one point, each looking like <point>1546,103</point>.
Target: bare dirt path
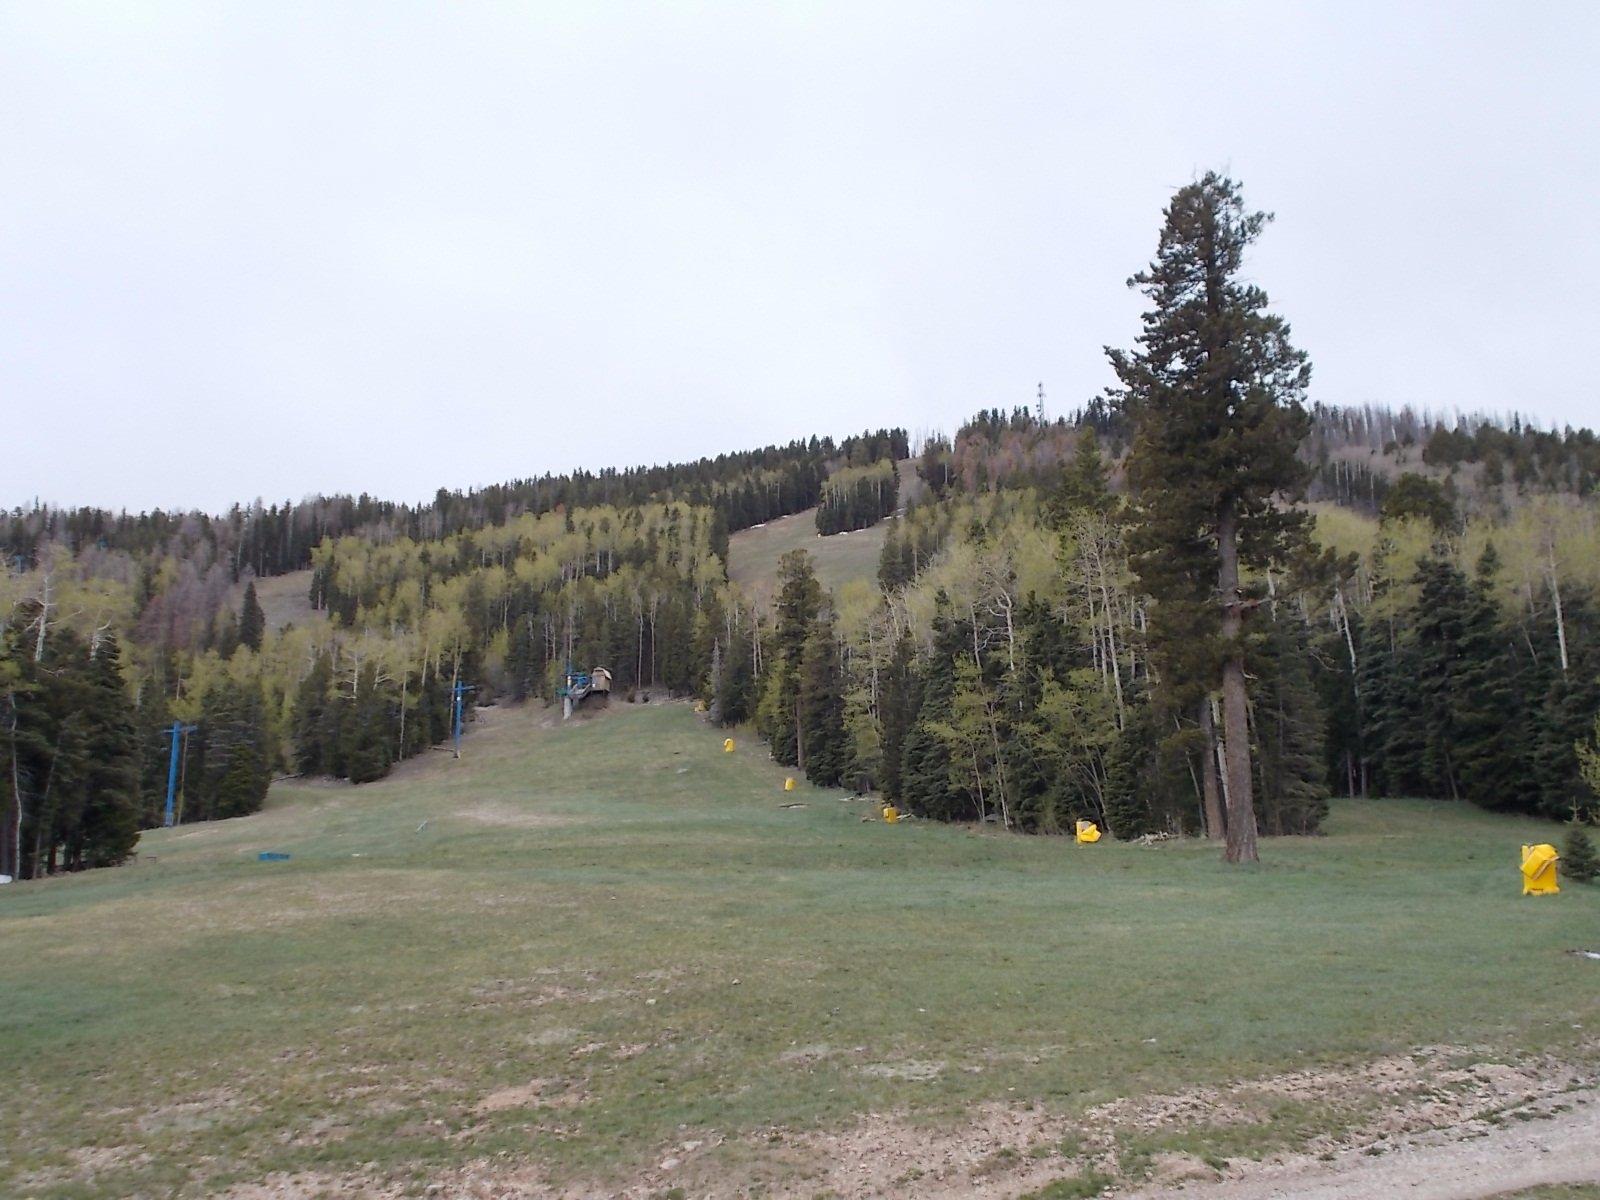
<point>1560,1148</point>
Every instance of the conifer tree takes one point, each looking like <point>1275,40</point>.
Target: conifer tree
<point>799,601</point>
<point>1578,857</point>
<point>1434,662</point>
<point>896,714</point>
<point>110,827</point>
<point>1289,730</point>
<point>890,570</point>
<point>825,748</point>
<point>252,621</point>
<point>1215,393</point>
<point>1083,485</point>
<point>366,731</point>
<point>1489,749</point>
<point>925,770</point>
<point>316,733</point>
<point>235,764</point>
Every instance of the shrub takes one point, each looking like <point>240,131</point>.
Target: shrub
<point>1578,858</point>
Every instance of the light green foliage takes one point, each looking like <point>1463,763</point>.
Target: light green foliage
<point>969,735</point>
<point>1074,730</point>
<point>1589,760</point>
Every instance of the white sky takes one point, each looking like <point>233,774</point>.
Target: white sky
<point>277,248</point>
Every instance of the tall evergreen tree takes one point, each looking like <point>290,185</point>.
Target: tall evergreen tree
<point>1491,743</point>
<point>110,827</point>
<point>316,730</point>
<point>252,621</point>
<point>1289,730</point>
<point>896,713</point>
<point>780,715</point>
<point>820,685</point>
<point>367,753</point>
<point>1215,391</point>
<point>1435,664</point>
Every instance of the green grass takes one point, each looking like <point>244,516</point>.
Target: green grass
<point>753,554</point>
<point>1073,1187</point>
<point>609,938</point>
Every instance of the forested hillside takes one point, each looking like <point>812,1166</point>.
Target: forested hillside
<point>499,590</point>
<point>1198,604</point>
<point>742,488</point>
<point>999,666</point>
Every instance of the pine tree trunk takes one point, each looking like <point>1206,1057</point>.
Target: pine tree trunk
<point>799,734</point>
<point>1211,792</point>
<point>1241,847</point>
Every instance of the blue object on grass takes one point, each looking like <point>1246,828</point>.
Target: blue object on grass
<point>271,856</point>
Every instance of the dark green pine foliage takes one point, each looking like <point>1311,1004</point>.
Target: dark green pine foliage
<point>1570,699</point>
<point>1084,485</point>
<point>1578,858</point>
<point>525,659</point>
<point>799,601</point>
<point>925,761</point>
<point>1339,693</point>
<point>825,747</point>
<point>1151,782</point>
<point>1489,722</point>
<point>1287,722</point>
<point>1215,392</point>
<point>896,712</point>
<point>736,680</point>
<point>1420,498</point>
<point>1391,701</point>
<point>252,621</point>
<point>109,829</point>
<point>892,564</point>
<point>153,720</point>
<point>366,734</point>
<point>1438,626</point>
<point>1127,766</point>
<point>69,752</point>
<point>1042,799</point>
<point>862,503</point>
<point>226,638</point>
<point>316,722</point>
<point>234,765</point>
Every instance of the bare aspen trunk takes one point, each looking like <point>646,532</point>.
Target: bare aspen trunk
<point>1349,641</point>
<point>1116,662</point>
<point>44,619</point>
<point>1210,790</point>
<point>1241,842</point>
<point>1561,623</point>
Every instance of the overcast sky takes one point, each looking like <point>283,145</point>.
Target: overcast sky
<point>272,249</point>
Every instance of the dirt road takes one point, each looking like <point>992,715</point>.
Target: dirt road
<point>1561,1148</point>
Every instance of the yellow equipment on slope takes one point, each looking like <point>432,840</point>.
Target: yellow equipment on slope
<point>891,814</point>
<point>727,745</point>
<point>1539,870</point>
<point>788,784</point>
<point>1088,833</point>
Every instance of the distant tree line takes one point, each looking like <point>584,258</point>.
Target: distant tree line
<point>856,497</point>
<point>744,488</point>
